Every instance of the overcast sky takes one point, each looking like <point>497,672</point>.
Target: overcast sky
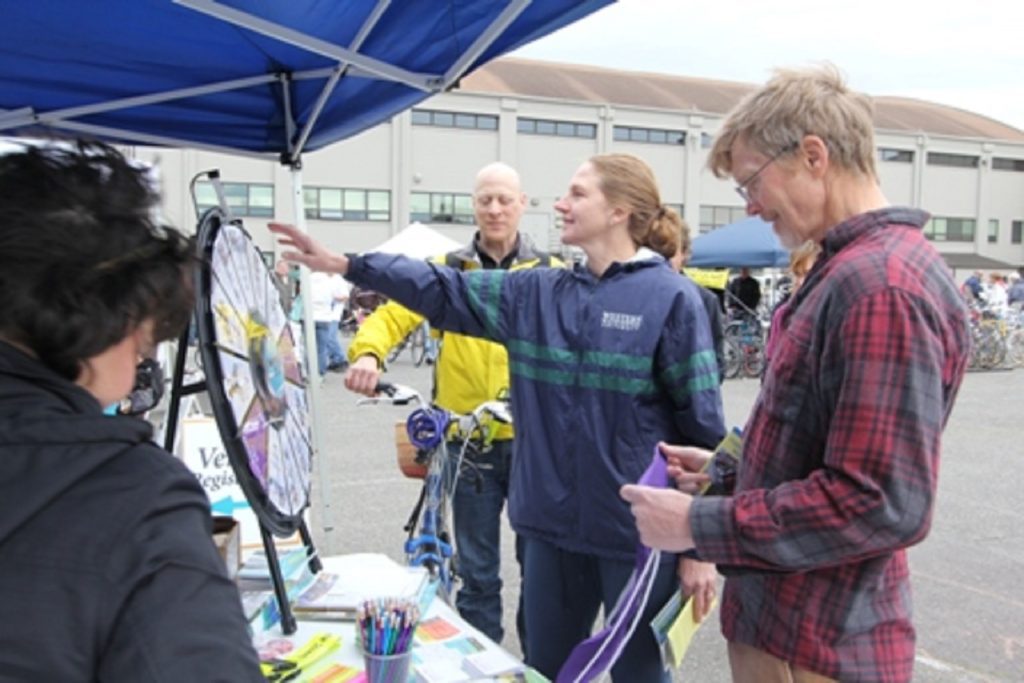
<point>966,54</point>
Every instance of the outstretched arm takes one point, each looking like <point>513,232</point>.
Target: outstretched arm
<point>467,303</point>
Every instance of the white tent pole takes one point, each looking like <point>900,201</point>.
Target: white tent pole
<point>312,372</point>
<point>426,82</point>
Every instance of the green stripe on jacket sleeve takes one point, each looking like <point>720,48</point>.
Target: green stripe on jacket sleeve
<point>483,289</point>
<point>697,373</point>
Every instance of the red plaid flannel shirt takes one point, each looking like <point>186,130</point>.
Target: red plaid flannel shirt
<point>841,456</point>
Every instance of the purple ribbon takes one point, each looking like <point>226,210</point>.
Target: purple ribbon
<point>595,655</point>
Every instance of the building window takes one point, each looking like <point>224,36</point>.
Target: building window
<point>450,119</point>
<point>345,204</point>
<point>706,140</point>
<point>442,207</point>
<point>1017,232</point>
<point>244,199</point>
<point>712,217</point>
<point>565,129</point>
<point>942,229</point>
<point>900,155</point>
<point>1001,164</point>
<point>678,208</point>
<point>956,160</point>
<point>652,135</point>
<point>993,230</point>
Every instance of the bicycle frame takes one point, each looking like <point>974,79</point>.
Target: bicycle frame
<point>431,428</point>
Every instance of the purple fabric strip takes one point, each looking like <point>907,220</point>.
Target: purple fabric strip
<point>598,653</point>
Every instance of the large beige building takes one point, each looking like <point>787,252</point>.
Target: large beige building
<point>967,170</point>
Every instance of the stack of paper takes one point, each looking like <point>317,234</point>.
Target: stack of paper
<point>674,628</point>
<point>354,579</point>
<point>491,663</point>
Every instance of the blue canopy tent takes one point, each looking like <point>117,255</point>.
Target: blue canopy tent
<point>750,243</point>
<point>247,76</point>
<point>270,78</point>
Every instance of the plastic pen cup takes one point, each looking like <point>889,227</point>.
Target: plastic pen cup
<point>387,668</point>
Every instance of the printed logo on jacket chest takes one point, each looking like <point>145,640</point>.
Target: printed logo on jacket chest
<point>621,321</point>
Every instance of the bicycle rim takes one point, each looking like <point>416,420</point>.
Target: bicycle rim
<point>418,347</point>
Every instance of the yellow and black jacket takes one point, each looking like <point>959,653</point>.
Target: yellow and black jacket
<point>469,370</point>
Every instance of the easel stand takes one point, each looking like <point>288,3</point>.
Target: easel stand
<point>180,390</point>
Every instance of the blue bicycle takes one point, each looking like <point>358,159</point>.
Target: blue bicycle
<point>430,542</point>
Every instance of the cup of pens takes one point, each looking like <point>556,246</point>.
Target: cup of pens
<point>384,631</point>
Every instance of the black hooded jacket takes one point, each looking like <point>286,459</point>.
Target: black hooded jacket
<point>107,568</point>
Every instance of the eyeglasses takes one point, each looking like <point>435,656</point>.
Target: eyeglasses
<point>743,189</point>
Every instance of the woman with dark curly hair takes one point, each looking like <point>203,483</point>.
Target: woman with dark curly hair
<point>107,568</point>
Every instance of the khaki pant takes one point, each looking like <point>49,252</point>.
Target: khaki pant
<point>751,665</point>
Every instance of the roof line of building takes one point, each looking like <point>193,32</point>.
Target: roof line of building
<point>516,76</point>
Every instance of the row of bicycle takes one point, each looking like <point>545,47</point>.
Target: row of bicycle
<point>997,341</point>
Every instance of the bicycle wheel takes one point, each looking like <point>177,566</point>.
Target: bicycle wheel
<point>731,355</point>
<point>753,360</point>
<point>1015,348</point>
<point>396,350</point>
<point>991,349</point>
<point>418,345</point>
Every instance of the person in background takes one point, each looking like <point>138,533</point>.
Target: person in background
<point>1016,293</point>
<point>840,460</point>
<point>745,294</point>
<point>330,292</point>
<point>108,571</point>
<point>284,283</point>
<point>801,260</point>
<point>996,296</point>
<point>469,371</point>
<point>606,360</point>
<point>973,288</point>
<point>710,300</point>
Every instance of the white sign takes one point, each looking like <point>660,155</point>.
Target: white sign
<point>203,452</point>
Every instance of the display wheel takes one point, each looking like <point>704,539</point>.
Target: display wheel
<point>257,385</point>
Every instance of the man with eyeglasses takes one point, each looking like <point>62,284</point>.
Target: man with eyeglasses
<point>468,371</point>
<point>841,452</point>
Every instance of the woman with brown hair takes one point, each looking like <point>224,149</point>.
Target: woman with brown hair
<point>606,360</point>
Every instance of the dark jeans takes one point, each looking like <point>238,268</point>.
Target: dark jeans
<point>562,592</point>
<point>477,504</point>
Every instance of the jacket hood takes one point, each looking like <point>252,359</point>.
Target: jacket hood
<point>53,433</point>
<point>643,258</point>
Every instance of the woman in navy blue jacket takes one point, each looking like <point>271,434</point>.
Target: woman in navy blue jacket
<point>606,360</point>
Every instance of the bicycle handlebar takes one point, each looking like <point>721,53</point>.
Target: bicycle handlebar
<point>395,394</point>
<point>401,395</point>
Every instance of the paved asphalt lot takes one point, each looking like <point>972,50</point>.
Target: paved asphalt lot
<point>968,575</point>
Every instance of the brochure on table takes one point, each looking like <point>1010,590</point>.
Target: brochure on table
<point>445,647</point>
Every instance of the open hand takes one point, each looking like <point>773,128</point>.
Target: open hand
<point>308,251</point>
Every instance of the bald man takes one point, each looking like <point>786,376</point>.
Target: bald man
<point>468,372</point>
